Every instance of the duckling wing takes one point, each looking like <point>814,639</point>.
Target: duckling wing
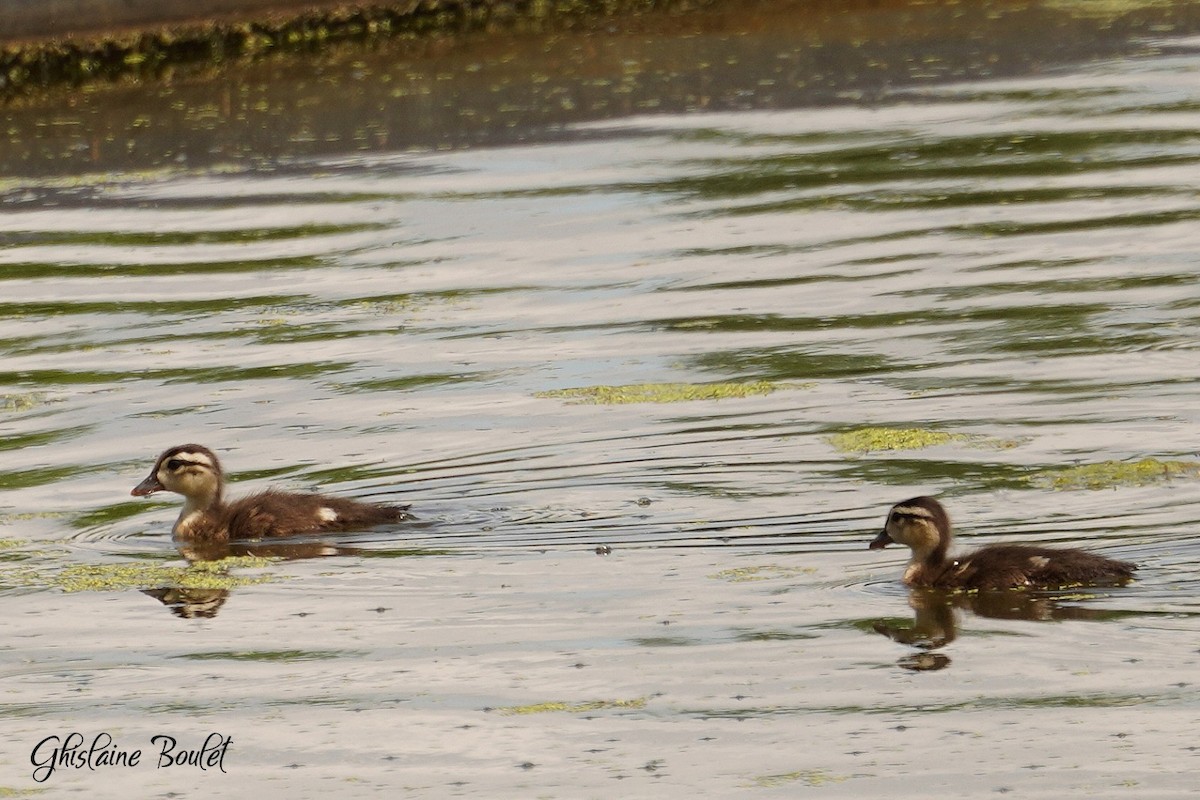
<point>273,513</point>
<point>984,569</point>
<point>1013,566</point>
<point>260,516</point>
<point>1079,567</point>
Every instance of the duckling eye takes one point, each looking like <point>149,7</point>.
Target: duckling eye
<point>174,464</point>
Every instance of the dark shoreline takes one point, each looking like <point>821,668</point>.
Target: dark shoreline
<point>39,49</point>
<point>251,97</point>
<point>33,22</point>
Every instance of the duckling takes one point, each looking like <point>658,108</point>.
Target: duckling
<point>923,525</point>
<point>194,472</point>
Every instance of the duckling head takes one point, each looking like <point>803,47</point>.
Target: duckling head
<point>190,470</point>
<point>920,524</point>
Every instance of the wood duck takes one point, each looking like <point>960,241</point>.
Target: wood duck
<point>923,526</point>
<point>194,472</point>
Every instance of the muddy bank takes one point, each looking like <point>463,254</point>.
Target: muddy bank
<point>240,101</point>
<point>57,44</point>
<point>59,19</point>
<point>43,46</point>
<point>32,21</point>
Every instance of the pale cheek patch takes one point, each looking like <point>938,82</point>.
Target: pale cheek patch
<point>1038,562</point>
<point>327,515</point>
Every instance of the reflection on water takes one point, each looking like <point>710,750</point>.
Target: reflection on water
<point>497,86</point>
<point>190,603</point>
<point>935,624</point>
<point>1010,260</point>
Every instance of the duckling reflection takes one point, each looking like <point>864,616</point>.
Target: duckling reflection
<point>935,617</point>
<point>283,551</point>
<point>190,603</point>
<point>933,625</point>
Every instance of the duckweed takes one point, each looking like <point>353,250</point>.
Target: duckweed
<point>126,575</point>
<point>662,392</point>
<point>1098,9</point>
<point>574,708</point>
<point>1112,474</point>
<point>281,656</point>
<point>26,516</point>
<point>151,54</point>
<point>812,777</point>
<point>760,573</point>
<point>874,439</point>
<point>21,402</point>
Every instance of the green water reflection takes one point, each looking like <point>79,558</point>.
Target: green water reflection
<point>471,88</point>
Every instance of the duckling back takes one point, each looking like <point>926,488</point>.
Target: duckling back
<point>1009,566</point>
<point>273,513</point>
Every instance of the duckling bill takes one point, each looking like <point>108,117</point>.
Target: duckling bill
<point>194,471</point>
<point>922,525</point>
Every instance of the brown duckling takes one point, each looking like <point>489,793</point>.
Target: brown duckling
<point>923,525</point>
<point>194,472</point>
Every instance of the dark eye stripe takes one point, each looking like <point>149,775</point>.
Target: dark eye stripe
<point>899,515</point>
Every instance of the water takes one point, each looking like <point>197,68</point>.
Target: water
<point>1009,258</point>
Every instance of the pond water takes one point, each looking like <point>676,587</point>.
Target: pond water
<point>997,253</point>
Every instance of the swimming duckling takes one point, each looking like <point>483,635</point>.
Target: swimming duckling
<point>923,525</point>
<point>194,472</point>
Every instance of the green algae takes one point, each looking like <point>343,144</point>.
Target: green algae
<point>573,708</point>
<point>16,403</point>
<point>663,392</point>
<point>1108,10</point>
<point>760,573</point>
<point>811,777</point>
<point>275,656</point>
<point>136,575</point>
<point>157,52</point>
<point>877,439</point>
<point>1114,474</point>
<point>16,551</point>
<point>108,514</point>
<point>867,440</point>
<point>27,516</point>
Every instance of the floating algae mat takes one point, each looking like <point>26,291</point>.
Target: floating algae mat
<point>1111,474</point>
<point>809,777</point>
<point>760,573</point>
<point>138,575</point>
<point>574,708</point>
<point>873,439</point>
<point>664,392</point>
<point>21,402</point>
<point>142,42</point>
